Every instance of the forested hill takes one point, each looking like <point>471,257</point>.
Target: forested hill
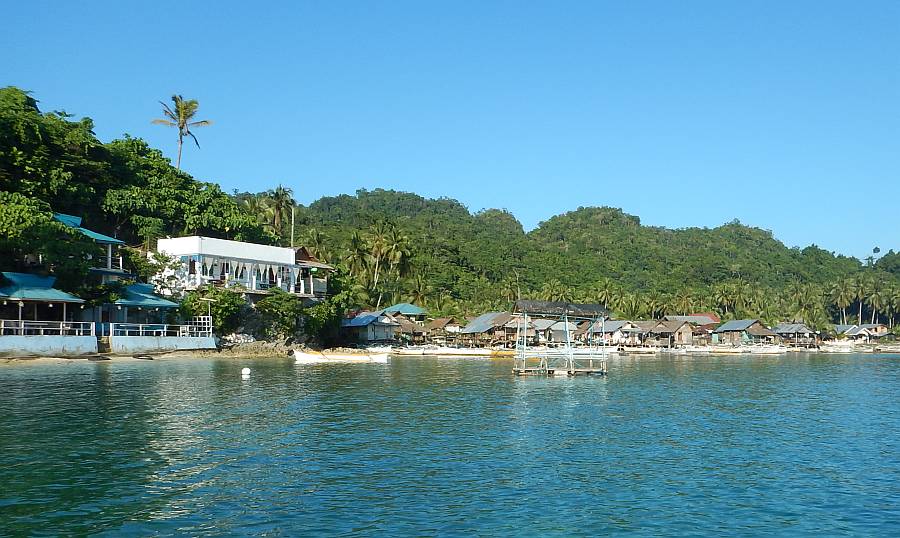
<point>392,246</point>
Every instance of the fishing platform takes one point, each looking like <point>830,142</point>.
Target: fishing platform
<point>566,360</point>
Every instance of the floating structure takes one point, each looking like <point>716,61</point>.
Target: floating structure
<point>561,361</point>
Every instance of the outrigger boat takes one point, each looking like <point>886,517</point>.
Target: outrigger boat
<point>321,357</point>
<point>563,361</point>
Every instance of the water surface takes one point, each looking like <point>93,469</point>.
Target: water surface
<point>795,445</point>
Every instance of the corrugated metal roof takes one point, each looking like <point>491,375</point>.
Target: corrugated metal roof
<point>406,309</point>
<point>792,328</point>
<point>485,322</point>
<point>75,222</point>
<point>696,319</point>
<point>558,308</point>
<point>561,326</point>
<point>28,287</point>
<point>142,295</point>
<point>543,324</point>
<point>842,329</point>
<point>609,326</point>
<point>736,325</point>
<point>364,319</point>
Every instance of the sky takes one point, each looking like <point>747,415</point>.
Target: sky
<point>784,115</point>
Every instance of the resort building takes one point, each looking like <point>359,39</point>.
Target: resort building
<point>38,319</point>
<point>111,268</point>
<point>370,328</point>
<point>253,268</point>
<point>743,331</point>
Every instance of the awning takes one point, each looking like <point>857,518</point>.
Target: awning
<point>28,287</point>
<point>141,295</point>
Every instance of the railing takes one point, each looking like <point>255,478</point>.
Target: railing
<point>11,327</point>
<point>200,326</point>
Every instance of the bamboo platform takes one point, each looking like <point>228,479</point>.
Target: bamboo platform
<point>560,367</point>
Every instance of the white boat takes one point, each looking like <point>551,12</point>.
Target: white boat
<point>838,347</point>
<point>432,350</point>
<point>321,357</point>
<point>766,349</point>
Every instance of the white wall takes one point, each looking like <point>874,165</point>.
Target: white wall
<point>47,346</point>
<point>127,345</point>
<point>223,248</point>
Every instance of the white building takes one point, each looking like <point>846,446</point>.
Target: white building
<point>253,267</point>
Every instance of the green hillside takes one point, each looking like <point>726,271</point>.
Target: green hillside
<point>391,246</point>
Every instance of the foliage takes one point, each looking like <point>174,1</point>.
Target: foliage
<point>322,321</point>
<point>26,222</point>
<point>226,307</point>
<point>180,115</point>
<point>280,313</point>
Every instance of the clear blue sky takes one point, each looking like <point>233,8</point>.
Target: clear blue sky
<point>785,115</point>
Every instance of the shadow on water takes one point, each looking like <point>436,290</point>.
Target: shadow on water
<point>798,444</point>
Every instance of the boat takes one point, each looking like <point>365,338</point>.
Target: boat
<point>321,357</point>
<point>432,350</point>
<point>766,349</point>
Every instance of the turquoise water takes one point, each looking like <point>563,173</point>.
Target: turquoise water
<point>694,446</point>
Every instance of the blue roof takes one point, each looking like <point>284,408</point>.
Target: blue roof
<point>364,319</point>
<point>143,295</point>
<point>735,325</point>
<point>406,309</point>
<point>482,323</point>
<point>75,222</point>
<point>28,287</point>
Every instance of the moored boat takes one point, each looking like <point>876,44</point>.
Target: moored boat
<point>321,357</point>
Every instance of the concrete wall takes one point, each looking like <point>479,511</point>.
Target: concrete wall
<point>47,346</point>
<point>127,345</point>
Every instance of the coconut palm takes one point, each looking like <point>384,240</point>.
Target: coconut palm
<point>553,290</point>
<point>842,295</point>
<point>631,306</point>
<point>861,286</point>
<point>181,115</point>
<point>683,302</point>
<point>875,298</point>
<point>280,203</point>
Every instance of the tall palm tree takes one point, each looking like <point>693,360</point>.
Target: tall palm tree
<point>280,203</point>
<point>181,116</point>
<point>861,285</point>
<point>875,299</point>
<point>842,295</point>
<point>683,302</point>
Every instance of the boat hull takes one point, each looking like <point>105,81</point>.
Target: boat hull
<point>318,357</point>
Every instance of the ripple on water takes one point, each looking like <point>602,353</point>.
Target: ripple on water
<point>798,445</point>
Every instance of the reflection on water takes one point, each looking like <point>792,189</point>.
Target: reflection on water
<point>798,445</point>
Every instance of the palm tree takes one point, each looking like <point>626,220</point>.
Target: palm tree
<point>842,295</point>
<point>683,302</point>
<point>631,306</point>
<point>553,290</point>
<point>605,292</point>
<point>861,285</point>
<point>280,203</point>
<point>420,291</point>
<point>181,115</point>
<point>255,205</point>
<point>875,299</point>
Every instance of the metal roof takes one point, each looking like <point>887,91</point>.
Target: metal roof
<point>543,324</point>
<point>75,222</point>
<point>792,328</point>
<point>364,319</point>
<point>406,309</point>
<point>28,287</point>
<point>486,322</point>
<point>696,319</point>
<point>142,295</point>
<point>561,326</point>
<point>736,325</point>
<point>609,326</point>
<point>559,308</point>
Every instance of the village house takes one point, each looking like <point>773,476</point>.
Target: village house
<point>250,267</point>
<point>743,331</point>
<point>111,267</point>
<point>370,328</point>
<point>486,330</point>
<point>672,334</point>
<point>865,332</point>
<point>410,331</point>
<point>616,332</point>
<point>409,311</point>
<point>443,331</point>
<point>796,334</point>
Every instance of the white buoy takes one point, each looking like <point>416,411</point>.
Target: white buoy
<point>245,372</point>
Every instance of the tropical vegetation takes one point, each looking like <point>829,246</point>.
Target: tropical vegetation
<point>394,246</point>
